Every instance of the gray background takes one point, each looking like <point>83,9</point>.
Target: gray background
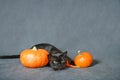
<point>86,25</point>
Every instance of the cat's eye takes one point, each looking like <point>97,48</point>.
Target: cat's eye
<point>55,62</point>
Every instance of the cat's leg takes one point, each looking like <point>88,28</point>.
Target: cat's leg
<point>70,61</point>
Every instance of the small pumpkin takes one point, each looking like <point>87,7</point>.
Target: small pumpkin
<point>34,58</point>
<point>83,59</point>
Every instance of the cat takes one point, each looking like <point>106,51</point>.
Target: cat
<point>57,58</point>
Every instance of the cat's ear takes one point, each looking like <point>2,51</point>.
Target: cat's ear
<point>64,54</point>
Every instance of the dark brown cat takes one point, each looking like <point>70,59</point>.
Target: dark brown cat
<point>57,58</point>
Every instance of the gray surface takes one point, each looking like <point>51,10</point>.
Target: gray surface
<point>88,25</point>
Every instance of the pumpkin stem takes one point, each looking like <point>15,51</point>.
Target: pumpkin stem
<point>34,48</point>
<point>79,51</point>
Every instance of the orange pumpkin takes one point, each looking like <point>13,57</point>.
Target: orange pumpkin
<point>83,59</point>
<point>34,58</point>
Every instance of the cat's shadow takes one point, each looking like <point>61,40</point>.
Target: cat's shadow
<point>95,62</point>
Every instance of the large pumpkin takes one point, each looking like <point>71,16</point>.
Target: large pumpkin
<point>34,58</point>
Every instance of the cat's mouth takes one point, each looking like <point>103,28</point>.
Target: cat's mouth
<point>58,67</point>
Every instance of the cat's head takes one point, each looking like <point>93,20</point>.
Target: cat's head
<point>58,61</point>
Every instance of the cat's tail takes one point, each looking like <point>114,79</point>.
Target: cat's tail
<point>71,66</point>
<point>9,56</point>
